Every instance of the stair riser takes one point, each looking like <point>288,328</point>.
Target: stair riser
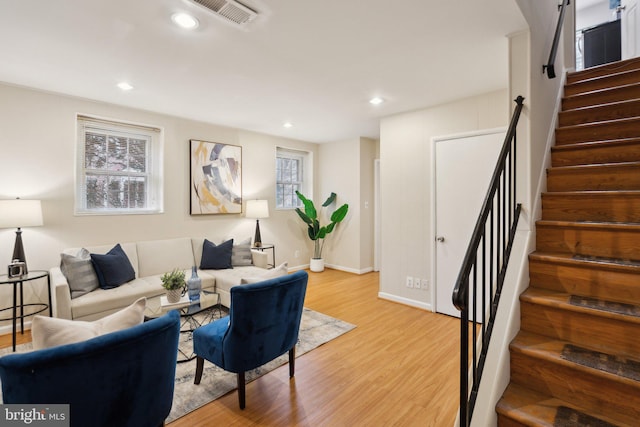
<point>589,207</point>
<point>601,333</point>
<point>599,114</point>
<point>585,179</point>
<point>602,82</point>
<point>598,132</point>
<point>603,70</point>
<point>587,280</point>
<point>601,97</point>
<point>596,154</point>
<point>619,400</point>
<point>623,244</point>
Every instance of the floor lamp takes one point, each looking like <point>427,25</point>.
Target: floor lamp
<point>257,209</point>
<point>19,213</point>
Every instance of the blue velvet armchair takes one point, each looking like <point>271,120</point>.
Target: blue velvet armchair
<point>263,323</point>
<point>124,378</point>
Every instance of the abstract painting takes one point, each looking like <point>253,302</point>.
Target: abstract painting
<point>216,178</point>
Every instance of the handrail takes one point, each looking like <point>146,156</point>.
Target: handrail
<point>496,224</point>
<point>549,67</point>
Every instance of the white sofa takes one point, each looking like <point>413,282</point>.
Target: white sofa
<point>150,260</point>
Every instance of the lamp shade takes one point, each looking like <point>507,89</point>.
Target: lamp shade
<point>257,209</point>
<point>20,213</point>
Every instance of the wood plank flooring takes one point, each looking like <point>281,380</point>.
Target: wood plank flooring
<point>398,367</point>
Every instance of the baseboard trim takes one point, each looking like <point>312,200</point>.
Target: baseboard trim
<point>405,301</point>
<point>334,267</point>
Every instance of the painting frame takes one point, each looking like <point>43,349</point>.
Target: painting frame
<point>215,178</point>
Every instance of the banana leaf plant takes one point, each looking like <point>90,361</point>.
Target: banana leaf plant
<point>310,215</point>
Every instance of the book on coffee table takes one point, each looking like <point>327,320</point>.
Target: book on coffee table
<point>183,302</point>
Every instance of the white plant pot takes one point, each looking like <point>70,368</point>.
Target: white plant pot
<point>174,295</point>
<point>316,265</point>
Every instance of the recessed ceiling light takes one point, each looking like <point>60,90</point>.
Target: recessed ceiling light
<point>288,125</point>
<point>184,20</point>
<point>376,100</point>
<point>125,86</point>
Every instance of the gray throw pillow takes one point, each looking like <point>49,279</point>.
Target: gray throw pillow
<point>78,269</point>
<point>241,253</point>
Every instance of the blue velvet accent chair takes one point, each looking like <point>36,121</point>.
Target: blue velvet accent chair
<point>263,323</point>
<point>124,378</point>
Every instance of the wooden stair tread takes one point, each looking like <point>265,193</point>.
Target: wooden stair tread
<point>571,260</point>
<point>608,80</point>
<point>600,96</point>
<point>532,408</point>
<point>609,68</point>
<point>592,144</point>
<point>600,112</point>
<point>626,120</point>
<point>564,301</point>
<point>590,225</point>
<point>595,166</point>
<point>585,360</point>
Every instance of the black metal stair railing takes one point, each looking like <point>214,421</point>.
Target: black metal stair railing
<point>549,67</point>
<point>484,267</point>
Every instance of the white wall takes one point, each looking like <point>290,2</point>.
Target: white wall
<point>37,155</point>
<point>594,14</point>
<point>346,168</point>
<point>405,163</point>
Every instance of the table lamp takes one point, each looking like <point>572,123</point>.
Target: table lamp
<point>20,213</point>
<point>257,209</point>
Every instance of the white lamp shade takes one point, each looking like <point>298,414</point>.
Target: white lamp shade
<point>257,209</point>
<point>20,213</point>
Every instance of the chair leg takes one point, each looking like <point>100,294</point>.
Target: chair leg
<point>292,362</point>
<point>241,390</point>
<point>199,368</point>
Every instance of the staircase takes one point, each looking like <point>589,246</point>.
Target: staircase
<point>576,359</point>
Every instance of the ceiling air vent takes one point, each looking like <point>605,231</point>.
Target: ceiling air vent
<point>230,10</point>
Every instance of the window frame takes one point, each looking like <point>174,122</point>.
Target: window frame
<point>153,173</point>
<point>304,182</point>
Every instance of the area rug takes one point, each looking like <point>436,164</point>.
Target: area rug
<point>315,329</point>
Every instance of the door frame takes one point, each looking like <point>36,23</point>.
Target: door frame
<point>433,187</point>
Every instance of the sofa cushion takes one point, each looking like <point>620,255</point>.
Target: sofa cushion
<point>79,271</point>
<point>280,270</point>
<point>113,268</point>
<point>216,257</point>
<point>129,248</point>
<point>241,253</point>
<point>50,331</point>
<point>105,301</point>
<point>159,256</point>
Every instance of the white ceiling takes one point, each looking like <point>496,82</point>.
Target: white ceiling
<point>313,63</point>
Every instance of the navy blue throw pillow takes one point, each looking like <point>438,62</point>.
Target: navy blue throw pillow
<point>216,257</point>
<point>113,268</point>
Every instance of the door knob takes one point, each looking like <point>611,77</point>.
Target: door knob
<point>620,8</point>
<point>440,239</point>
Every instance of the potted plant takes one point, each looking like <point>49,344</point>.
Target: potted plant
<point>318,233</point>
<point>175,284</point>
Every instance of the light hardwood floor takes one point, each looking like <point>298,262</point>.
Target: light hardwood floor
<point>398,367</point>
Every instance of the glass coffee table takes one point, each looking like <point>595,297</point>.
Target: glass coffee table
<point>192,315</point>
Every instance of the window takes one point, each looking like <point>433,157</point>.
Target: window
<point>119,168</point>
<point>292,174</point>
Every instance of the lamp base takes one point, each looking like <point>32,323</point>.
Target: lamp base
<point>18,250</point>
<point>257,239</point>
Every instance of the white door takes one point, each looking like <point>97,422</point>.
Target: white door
<point>463,169</point>
<point>630,33</point>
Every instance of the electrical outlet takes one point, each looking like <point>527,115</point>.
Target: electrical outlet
<point>296,254</point>
<point>425,284</point>
<point>416,282</point>
<point>409,282</point>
